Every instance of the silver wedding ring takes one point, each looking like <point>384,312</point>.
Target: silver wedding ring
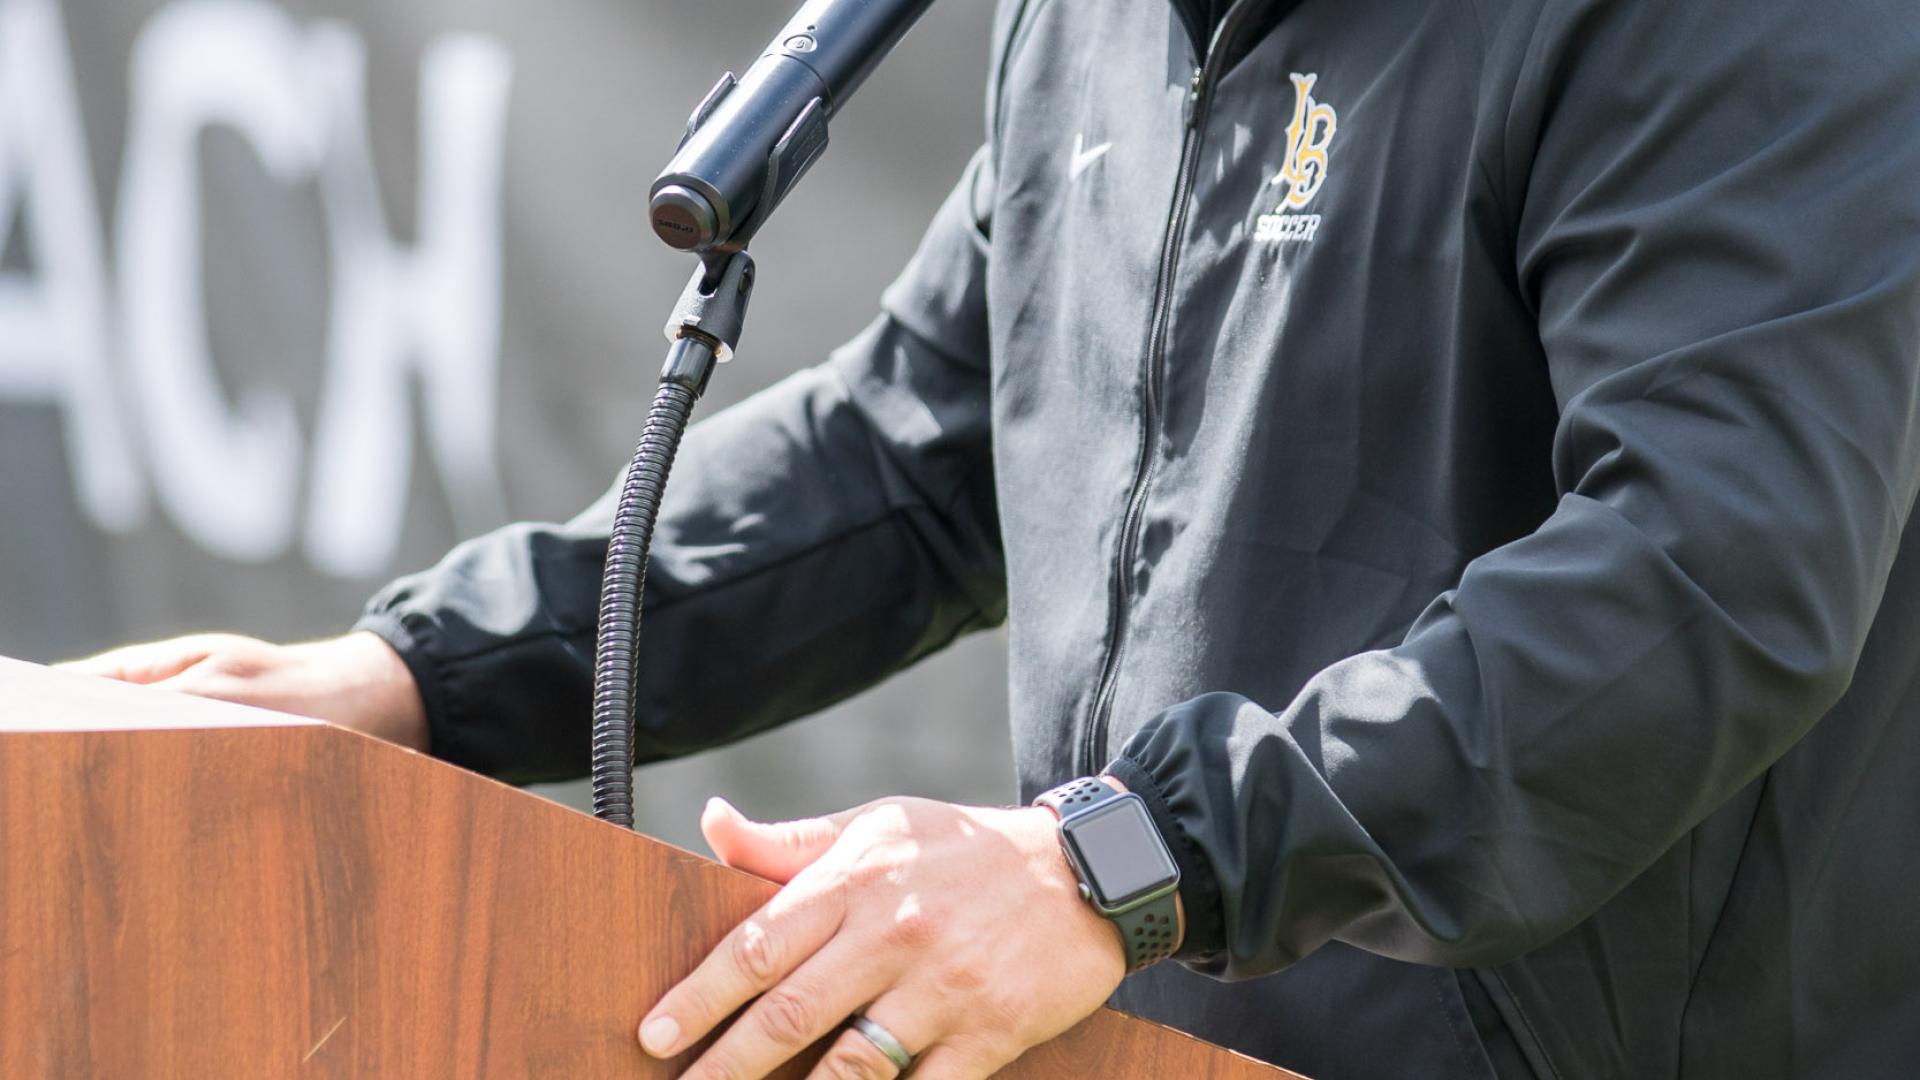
<point>883,1041</point>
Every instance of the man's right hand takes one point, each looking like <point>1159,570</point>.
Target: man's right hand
<point>356,681</point>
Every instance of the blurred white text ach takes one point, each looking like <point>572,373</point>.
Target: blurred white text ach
<point>120,345</point>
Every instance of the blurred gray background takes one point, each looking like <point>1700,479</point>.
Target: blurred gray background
<point>294,296</point>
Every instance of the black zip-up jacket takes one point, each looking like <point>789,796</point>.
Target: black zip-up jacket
<point>1454,459</point>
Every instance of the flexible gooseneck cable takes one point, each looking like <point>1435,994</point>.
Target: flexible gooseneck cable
<point>622,583</point>
<point>704,329</point>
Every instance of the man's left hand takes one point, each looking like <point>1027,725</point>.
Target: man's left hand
<point>959,929</point>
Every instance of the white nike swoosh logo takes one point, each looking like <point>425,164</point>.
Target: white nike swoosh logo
<point>1084,159</point>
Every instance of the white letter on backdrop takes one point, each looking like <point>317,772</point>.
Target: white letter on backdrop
<point>228,476</point>
<point>432,311</point>
<point>53,320</point>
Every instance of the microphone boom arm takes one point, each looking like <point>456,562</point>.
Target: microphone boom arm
<point>746,145</point>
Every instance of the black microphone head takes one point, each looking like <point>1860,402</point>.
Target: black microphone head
<point>750,141</point>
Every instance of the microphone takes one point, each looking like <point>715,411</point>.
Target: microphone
<point>752,139</point>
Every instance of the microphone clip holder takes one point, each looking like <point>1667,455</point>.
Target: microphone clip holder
<point>713,306</point>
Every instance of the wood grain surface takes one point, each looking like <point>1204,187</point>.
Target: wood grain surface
<point>189,891</point>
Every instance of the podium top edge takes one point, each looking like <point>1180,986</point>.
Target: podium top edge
<point>40,699</point>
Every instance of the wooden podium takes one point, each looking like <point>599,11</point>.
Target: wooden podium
<point>198,890</point>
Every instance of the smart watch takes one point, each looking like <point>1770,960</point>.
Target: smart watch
<point>1124,867</point>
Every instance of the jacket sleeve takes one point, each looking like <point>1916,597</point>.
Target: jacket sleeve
<point>813,539</point>
<point>1718,225</point>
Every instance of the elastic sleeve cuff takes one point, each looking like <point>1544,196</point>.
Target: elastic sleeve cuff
<point>413,640</point>
<point>1205,936</point>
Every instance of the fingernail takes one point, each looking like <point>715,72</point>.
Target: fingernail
<point>658,1035</point>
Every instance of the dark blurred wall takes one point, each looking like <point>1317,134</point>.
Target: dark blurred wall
<point>296,295</point>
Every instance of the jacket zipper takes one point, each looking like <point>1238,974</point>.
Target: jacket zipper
<point>1093,748</point>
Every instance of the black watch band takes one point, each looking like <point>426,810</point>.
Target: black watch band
<point>1148,925</point>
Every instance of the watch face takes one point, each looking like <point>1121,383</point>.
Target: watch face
<point>1120,851</point>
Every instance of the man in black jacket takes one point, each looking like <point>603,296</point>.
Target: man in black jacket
<point>1452,462</point>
